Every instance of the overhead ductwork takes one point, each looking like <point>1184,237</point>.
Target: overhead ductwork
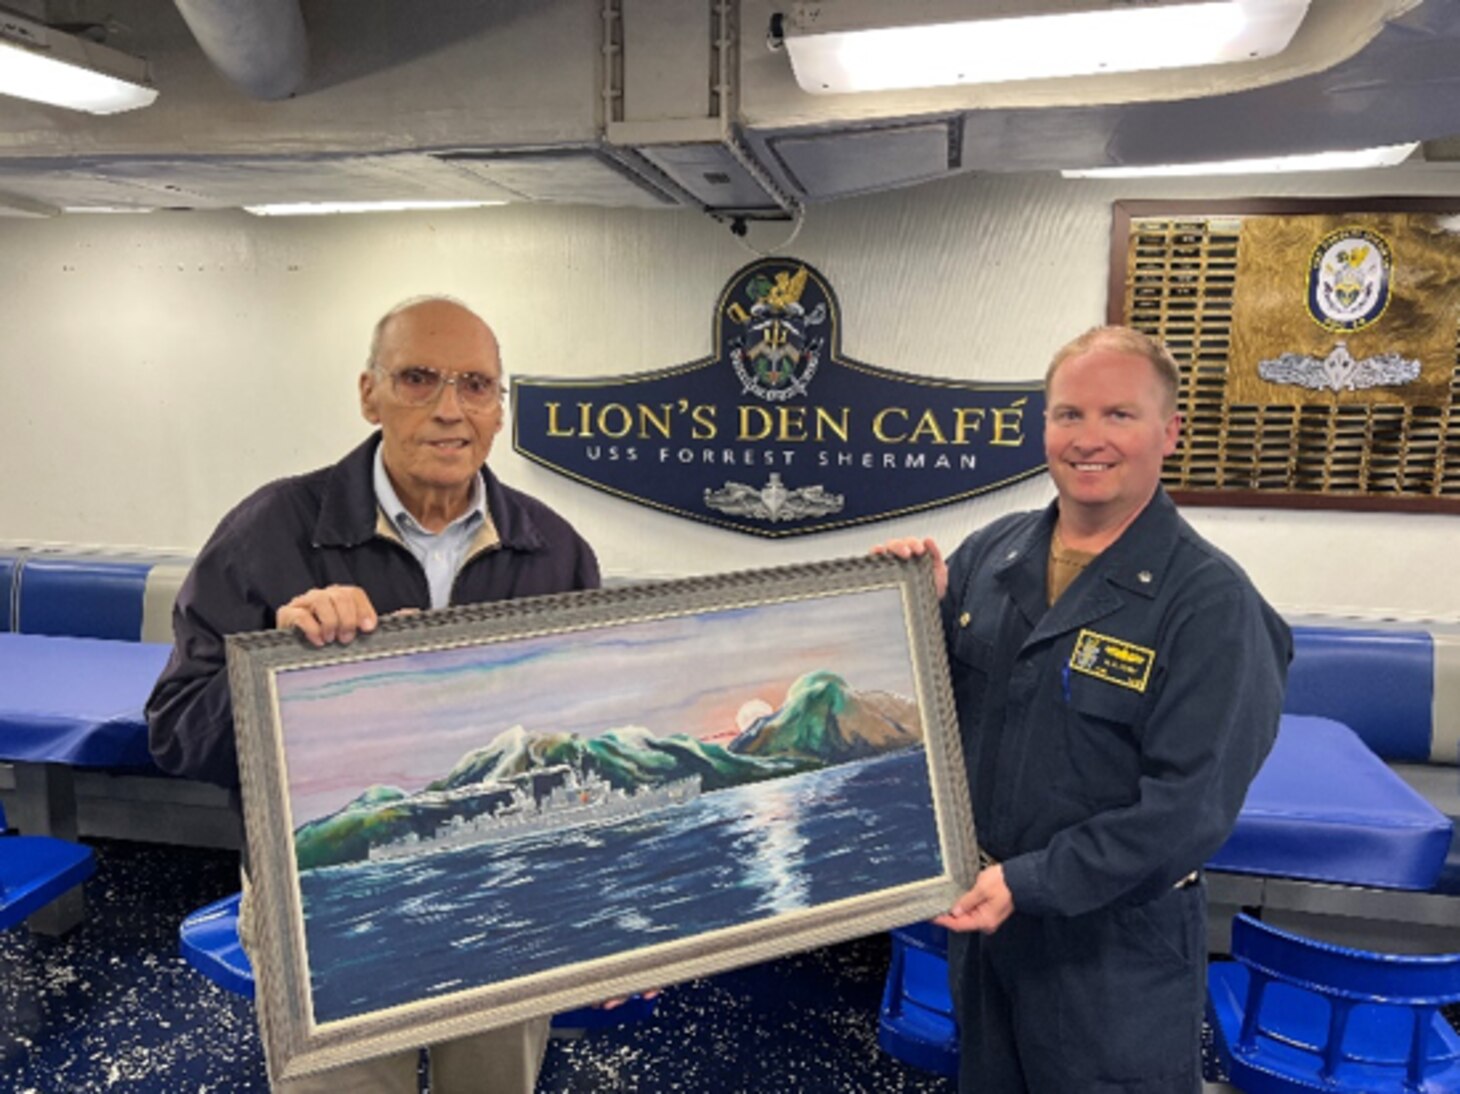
<point>259,45</point>
<point>656,104</point>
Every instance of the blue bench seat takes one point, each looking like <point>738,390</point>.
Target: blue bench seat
<point>1325,808</point>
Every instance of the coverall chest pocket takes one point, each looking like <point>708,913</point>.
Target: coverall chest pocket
<point>973,658</point>
<point>1100,742</point>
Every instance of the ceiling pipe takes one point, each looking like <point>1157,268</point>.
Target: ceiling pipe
<point>258,44</point>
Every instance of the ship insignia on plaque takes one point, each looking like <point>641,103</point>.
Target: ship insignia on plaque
<point>1348,279</point>
<point>777,353</point>
<point>1349,274</point>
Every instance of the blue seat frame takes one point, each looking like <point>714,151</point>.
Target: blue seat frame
<point>1294,1014</point>
<point>35,870</point>
<point>916,1023</point>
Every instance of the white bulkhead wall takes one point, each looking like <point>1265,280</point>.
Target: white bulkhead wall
<point>154,369</point>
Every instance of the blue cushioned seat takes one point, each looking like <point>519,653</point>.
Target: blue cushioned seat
<point>916,1024</point>
<point>9,568</point>
<point>1448,882</point>
<point>1381,684</point>
<point>35,870</point>
<point>1325,808</point>
<point>82,597</point>
<point>1291,1014</point>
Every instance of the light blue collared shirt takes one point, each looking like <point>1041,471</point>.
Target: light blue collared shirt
<point>439,553</point>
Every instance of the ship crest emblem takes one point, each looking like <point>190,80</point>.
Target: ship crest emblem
<point>775,348</point>
<point>1348,279</point>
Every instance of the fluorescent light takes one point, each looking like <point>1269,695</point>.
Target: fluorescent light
<point>46,66</point>
<point>1356,159</point>
<point>322,208</point>
<point>108,209</point>
<point>925,43</point>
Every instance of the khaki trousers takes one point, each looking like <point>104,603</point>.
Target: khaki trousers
<point>499,1061</point>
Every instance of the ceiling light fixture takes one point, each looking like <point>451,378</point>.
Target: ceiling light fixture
<point>871,45</point>
<point>1353,160</point>
<point>48,66</point>
<point>323,208</point>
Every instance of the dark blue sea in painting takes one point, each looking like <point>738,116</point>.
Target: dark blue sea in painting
<point>384,933</point>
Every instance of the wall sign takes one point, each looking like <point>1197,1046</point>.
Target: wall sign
<point>778,433</point>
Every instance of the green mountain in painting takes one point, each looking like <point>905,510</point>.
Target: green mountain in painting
<point>827,722</point>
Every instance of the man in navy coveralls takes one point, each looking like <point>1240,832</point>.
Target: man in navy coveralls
<point>1118,683</point>
<point>410,519</point>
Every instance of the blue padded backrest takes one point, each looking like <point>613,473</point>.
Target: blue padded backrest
<point>8,567</point>
<point>1380,684</point>
<point>82,597</point>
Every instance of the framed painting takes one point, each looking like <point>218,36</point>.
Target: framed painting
<point>474,816</point>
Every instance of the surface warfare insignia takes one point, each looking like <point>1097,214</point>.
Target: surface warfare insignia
<point>1339,371</point>
<point>774,352</point>
<point>1113,660</point>
<point>773,502</point>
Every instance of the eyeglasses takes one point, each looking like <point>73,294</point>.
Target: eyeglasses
<point>417,385</point>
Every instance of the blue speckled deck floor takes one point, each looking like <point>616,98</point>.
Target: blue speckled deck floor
<point>112,1007</point>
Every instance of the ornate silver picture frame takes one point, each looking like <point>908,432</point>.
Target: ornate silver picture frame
<point>478,815</point>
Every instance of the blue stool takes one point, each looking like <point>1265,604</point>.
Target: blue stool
<point>209,943</point>
<point>916,1024</point>
<point>35,870</point>
<point>1290,1014</point>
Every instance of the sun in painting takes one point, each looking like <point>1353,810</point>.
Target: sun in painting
<point>753,709</point>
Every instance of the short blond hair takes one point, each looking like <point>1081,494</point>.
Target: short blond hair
<point>1122,340</point>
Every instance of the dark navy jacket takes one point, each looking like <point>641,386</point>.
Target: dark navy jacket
<point>1093,792</point>
<point>320,529</point>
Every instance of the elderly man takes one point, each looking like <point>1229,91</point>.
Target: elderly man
<point>1118,683</point>
<point>411,519</point>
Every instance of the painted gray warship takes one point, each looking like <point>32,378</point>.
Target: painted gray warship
<point>577,800</point>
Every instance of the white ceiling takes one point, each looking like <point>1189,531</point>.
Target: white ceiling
<point>520,100</point>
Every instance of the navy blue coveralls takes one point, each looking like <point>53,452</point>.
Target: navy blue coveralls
<point>1110,739</point>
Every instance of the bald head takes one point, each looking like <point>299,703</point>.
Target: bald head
<point>417,317</point>
<point>434,386</point>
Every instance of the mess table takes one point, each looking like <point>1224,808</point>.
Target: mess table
<point>68,703</point>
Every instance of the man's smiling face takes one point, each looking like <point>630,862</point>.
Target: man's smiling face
<point>1108,425</point>
<point>433,452</point>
